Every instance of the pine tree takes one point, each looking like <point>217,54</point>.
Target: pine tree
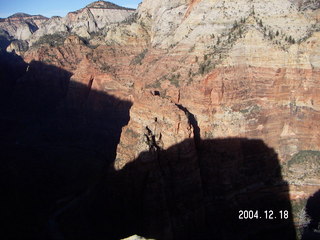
<point>260,23</point>
<point>235,25</point>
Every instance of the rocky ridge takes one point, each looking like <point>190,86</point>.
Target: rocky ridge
<point>21,26</point>
<point>106,5</point>
<point>90,19</point>
<point>84,22</point>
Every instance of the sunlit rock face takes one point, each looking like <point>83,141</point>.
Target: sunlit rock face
<point>243,69</point>
<point>248,70</point>
<point>155,123</point>
<point>88,20</point>
<point>17,47</point>
<point>93,18</point>
<point>21,26</point>
<point>197,71</point>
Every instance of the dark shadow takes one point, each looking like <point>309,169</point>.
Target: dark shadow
<point>188,192</point>
<point>193,122</point>
<point>57,138</point>
<point>11,68</point>
<point>32,26</point>
<point>5,39</point>
<point>312,230</point>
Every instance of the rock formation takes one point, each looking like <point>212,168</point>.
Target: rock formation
<point>21,25</point>
<point>221,91</point>
<point>18,47</point>
<point>84,22</point>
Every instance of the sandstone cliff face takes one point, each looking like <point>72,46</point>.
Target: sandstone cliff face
<point>205,71</point>
<point>157,156</point>
<point>150,130</point>
<point>160,152</point>
<point>248,70</point>
<point>173,22</point>
<point>243,70</point>
<point>223,61</point>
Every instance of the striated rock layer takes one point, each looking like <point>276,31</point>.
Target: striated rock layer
<point>225,110</point>
<point>194,188</point>
<point>21,26</point>
<point>248,73</point>
<point>84,22</point>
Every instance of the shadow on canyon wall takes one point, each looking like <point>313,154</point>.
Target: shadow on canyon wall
<point>188,192</point>
<point>4,39</point>
<point>56,137</point>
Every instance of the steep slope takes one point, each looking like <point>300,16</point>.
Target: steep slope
<point>248,69</point>
<point>106,5</point>
<point>225,96</point>
<point>224,60</point>
<point>93,18</point>
<point>172,22</point>
<point>307,4</point>
<point>21,25</point>
<point>243,69</point>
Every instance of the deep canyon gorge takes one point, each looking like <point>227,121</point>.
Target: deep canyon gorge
<point>164,122</point>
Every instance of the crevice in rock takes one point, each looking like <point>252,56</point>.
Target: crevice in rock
<point>90,85</point>
<point>197,141</point>
<point>193,122</point>
<point>154,141</point>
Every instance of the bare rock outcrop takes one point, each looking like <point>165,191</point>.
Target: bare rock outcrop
<point>21,26</point>
<point>242,74</point>
<point>248,70</point>
<point>155,124</point>
<point>90,19</point>
<point>173,22</point>
<point>18,47</point>
<point>243,69</point>
<point>93,18</point>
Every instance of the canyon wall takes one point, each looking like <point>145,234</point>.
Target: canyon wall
<point>225,109</point>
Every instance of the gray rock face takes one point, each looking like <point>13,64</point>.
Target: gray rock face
<point>307,4</point>
<point>90,19</point>
<point>181,21</point>
<point>106,5</point>
<point>18,46</point>
<point>4,39</point>
<point>21,25</point>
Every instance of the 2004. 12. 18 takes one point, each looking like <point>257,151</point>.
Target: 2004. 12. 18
<point>266,214</point>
